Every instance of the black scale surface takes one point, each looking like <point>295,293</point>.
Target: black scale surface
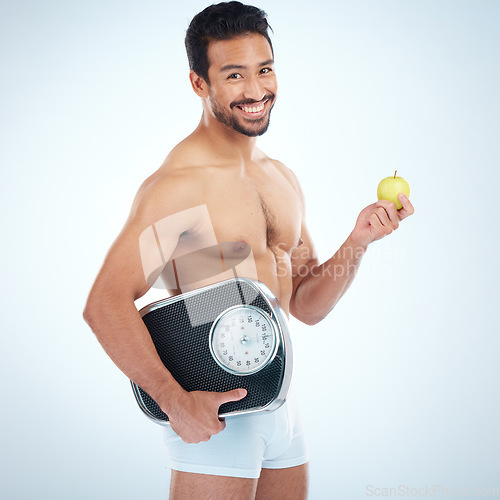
<point>180,332</point>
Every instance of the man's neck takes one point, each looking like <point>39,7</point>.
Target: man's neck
<point>228,142</point>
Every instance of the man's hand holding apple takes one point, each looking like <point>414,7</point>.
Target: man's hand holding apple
<point>379,219</point>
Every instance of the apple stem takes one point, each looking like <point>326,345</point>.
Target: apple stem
<point>395,174</point>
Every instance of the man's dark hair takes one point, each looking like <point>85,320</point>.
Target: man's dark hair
<point>222,21</point>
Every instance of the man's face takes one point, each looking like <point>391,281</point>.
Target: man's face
<point>243,85</point>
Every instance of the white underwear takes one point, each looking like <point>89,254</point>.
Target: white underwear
<point>248,443</point>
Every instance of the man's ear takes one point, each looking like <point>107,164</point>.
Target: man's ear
<point>199,85</point>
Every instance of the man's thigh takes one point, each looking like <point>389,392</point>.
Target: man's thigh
<point>291,483</point>
<point>190,486</point>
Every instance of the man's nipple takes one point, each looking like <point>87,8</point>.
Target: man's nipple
<point>239,246</point>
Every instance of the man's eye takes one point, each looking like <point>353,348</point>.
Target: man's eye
<point>234,76</point>
<point>266,70</point>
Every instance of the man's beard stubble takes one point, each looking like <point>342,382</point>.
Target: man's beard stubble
<point>230,121</point>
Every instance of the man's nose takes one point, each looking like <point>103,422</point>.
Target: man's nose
<point>254,90</point>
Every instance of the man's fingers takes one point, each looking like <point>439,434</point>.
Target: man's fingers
<point>407,209</point>
<point>375,222</point>
<point>384,219</point>
<point>392,212</point>
<point>234,395</point>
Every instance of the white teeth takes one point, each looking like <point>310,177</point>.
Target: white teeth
<point>254,110</point>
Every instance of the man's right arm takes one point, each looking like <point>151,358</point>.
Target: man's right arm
<point>110,309</point>
<point>114,319</point>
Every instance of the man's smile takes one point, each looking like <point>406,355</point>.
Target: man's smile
<point>253,110</point>
<point>246,116</point>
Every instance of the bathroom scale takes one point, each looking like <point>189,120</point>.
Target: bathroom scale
<point>228,335</point>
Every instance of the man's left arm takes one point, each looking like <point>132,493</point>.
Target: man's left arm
<point>318,287</point>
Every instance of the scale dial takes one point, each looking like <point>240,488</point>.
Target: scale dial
<point>243,340</point>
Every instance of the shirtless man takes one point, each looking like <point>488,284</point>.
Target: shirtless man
<point>216,186</point>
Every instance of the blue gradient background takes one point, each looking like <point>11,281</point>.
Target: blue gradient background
<point>400,383</point>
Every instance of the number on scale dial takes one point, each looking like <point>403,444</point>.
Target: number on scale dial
<point>243,340</point>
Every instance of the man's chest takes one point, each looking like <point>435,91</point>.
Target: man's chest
<point>262,212</point>
<point>237,214</point>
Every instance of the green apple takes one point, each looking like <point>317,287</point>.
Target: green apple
<point>390,187</point>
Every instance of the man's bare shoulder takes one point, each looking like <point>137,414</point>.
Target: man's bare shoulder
<point>290,176</point>
<point>192,155</point>
<point>182,169</point>
<point>174,187</point>
<point>178,183</point>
